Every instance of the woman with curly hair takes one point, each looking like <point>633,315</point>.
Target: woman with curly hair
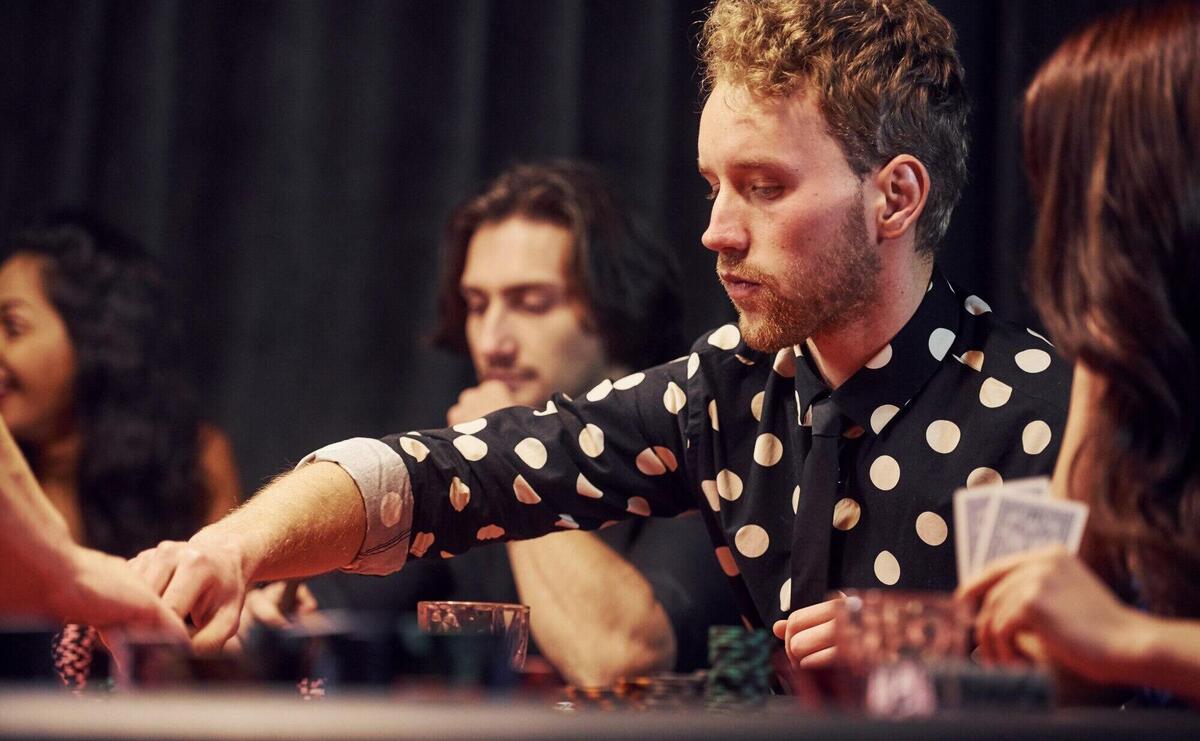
<point>1112,144</point>
<point>93,388</point>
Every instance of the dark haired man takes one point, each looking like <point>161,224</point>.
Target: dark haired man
<point>821,439</point>
<point>551,286</point>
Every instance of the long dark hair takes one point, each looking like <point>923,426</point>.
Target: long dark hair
<point>136,408</point>
<point>628,280</point>
<point>1112,145</point>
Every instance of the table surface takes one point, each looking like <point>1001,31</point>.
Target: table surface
<point>52,714</point>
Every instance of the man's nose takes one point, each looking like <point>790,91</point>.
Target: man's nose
<point>497,342</point>
<point>726,226</point>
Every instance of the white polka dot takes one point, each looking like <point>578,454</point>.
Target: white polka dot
<point>446,554</point>
<point>940,341</point>
<point>709,487</point>
<point>768,449</point>
<point>471,447</point>
<point>798,350</point>
<point>470,428</point>
<point>638,506</point>
<point>656,461</point>
<point>1035,437</point>
<point>1033,361</point>
<point>550,409</point>
<point>524,492</point>
<point>725,558</point>
<point>531,452</point>
<point>796,499</point>
<point>983,476</point>
<point>881,358</point>
<point>785,596</point>
<point>629,381</point>
<point>1040,337</point>
<point>608,523</point>
<point>460,494</point>
<point>881,416</point>
<point>421,543</point>
<point>674,398</point>
<point>785,363</point>
<point>729,485</point>
<point>591,441</point>
<point>567,521</point>
<point>975,305</point>
<point>931,528</point>
<point>756,405</point>
<point>885,473</point>
<point>600,390</point>
<point>853,433</point>
<point>887,568</point>
<point>389,509</point>
<point>489,532</point>
<point>585,488</point>
<point>846,513</point>
<point>712,415</point>
<point>415,448</point>
<point>743,359</point>
<point>806,420</point>
<point>943,436</point>
<point>726,337</point>
<point>972,359</point>
<point>751,541</point>
<point>693,364</point>
<point>994,394</point>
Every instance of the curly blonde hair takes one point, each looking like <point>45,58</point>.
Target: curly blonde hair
<point>884,73</point>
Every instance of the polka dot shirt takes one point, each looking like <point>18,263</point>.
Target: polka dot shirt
<point>957,398</point>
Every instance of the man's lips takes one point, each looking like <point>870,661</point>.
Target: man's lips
<point>511,379</point>
<point>739,288</point>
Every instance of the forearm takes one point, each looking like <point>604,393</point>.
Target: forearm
<point>305,522</point>
<point>594,615</point>
<point>1164,654</point>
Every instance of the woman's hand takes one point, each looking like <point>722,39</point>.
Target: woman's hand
<point>1050,596</point>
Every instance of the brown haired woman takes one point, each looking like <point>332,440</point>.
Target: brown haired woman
<point>1112,144</point>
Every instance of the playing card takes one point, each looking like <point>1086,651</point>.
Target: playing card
<point>971,512</point>
<point>1017,521</point>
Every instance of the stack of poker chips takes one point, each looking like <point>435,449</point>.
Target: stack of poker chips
<point>740,668</point>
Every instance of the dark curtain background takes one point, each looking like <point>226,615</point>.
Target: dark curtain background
<point>292,164</point>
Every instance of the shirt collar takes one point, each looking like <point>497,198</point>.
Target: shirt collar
<point>899,370</point>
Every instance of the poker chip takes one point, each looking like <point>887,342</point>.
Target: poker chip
<point>740,668</point>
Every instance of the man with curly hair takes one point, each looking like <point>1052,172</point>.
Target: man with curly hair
<point>821,438</point>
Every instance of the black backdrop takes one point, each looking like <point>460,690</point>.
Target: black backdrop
<point>291,163</point>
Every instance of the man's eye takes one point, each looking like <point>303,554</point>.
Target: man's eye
<point>475,305</point>
<point>537,301</point>
<point>12,327</point>
<point>766,190</point>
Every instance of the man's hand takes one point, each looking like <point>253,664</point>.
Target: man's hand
<point>808,634</point>
<point>1051,596</point>
<point>103,591</point>
<point>476,401</point>
<point>198,580</point>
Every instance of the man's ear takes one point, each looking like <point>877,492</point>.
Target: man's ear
<point>904,186</point>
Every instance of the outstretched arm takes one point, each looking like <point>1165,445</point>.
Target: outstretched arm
<point>306,522</point>
<point>50,575</point>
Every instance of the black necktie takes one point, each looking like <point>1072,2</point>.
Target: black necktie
<point>812,529</point>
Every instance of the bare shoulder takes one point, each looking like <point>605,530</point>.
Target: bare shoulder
<point>218,470</point>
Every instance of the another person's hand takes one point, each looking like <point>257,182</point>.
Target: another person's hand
<point>274,605</point>
<point>1052,596</point>
<point>198,580</point>
<point>808,634</point>
<point>476,401</point>
<point>103,591</point>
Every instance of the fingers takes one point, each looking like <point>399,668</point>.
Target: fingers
<point>804,645</point>
<point>975,588</point>
<point>780,629</point>
<point>156,565</point>
<point>810,629</point>
<point>306,601</point>
<point>262,605</point>
<point>220,628</point>
<point>820,659</point>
